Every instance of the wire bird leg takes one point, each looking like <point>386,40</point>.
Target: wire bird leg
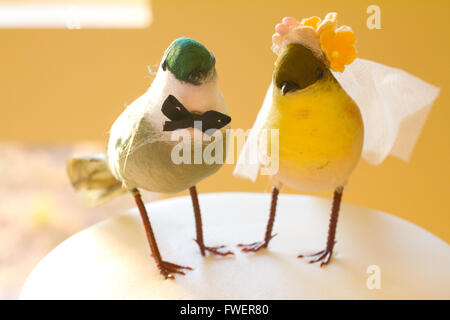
<point>325,255</point>
<point>199,228</point>
<point>167,269</point>
<point>256,246</point>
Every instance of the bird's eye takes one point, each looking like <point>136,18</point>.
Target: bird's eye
<point>319,73</point>
<point>288,86</point>
<point>164,65</point>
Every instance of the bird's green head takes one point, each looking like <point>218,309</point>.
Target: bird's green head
<point>297,67</point>
<point>189,61</point>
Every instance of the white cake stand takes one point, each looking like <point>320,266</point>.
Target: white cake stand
<point>377,256</point>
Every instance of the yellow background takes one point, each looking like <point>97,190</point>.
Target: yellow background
<point>60,86</point>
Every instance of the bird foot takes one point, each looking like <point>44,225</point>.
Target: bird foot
<point>168,269</point>
<point>255,246</point>
<point>324,256</point>
<point>215,250</point>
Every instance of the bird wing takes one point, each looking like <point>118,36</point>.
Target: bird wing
<point>248,162</point>
<point>123,134</point>
<point>394,106</point>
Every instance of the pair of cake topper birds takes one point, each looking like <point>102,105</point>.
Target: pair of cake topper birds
<point>329,107</point>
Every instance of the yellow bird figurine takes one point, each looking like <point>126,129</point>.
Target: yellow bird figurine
<point>320,126</point>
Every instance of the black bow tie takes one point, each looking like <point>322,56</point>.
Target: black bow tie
<point>181,118</point>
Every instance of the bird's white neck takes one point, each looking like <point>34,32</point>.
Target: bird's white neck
<point>199,98</point>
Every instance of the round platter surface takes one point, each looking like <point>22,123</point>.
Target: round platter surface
<point>377,256</point>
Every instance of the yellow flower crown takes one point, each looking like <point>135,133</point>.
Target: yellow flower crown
<point>335,46</point>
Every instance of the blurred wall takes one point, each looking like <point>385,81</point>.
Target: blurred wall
<point>62,86</point>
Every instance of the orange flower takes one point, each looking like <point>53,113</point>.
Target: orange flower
<point>338,46</point>
<point>311,22</point>
<point>329,23</point>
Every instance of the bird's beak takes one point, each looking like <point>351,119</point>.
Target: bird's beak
<point>289,86</point>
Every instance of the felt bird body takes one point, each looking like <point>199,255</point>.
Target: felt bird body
<point>140,149</point>
<point>327,119</point>
<point>320,126</point>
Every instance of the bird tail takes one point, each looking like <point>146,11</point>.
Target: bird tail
<point>92,178</point>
